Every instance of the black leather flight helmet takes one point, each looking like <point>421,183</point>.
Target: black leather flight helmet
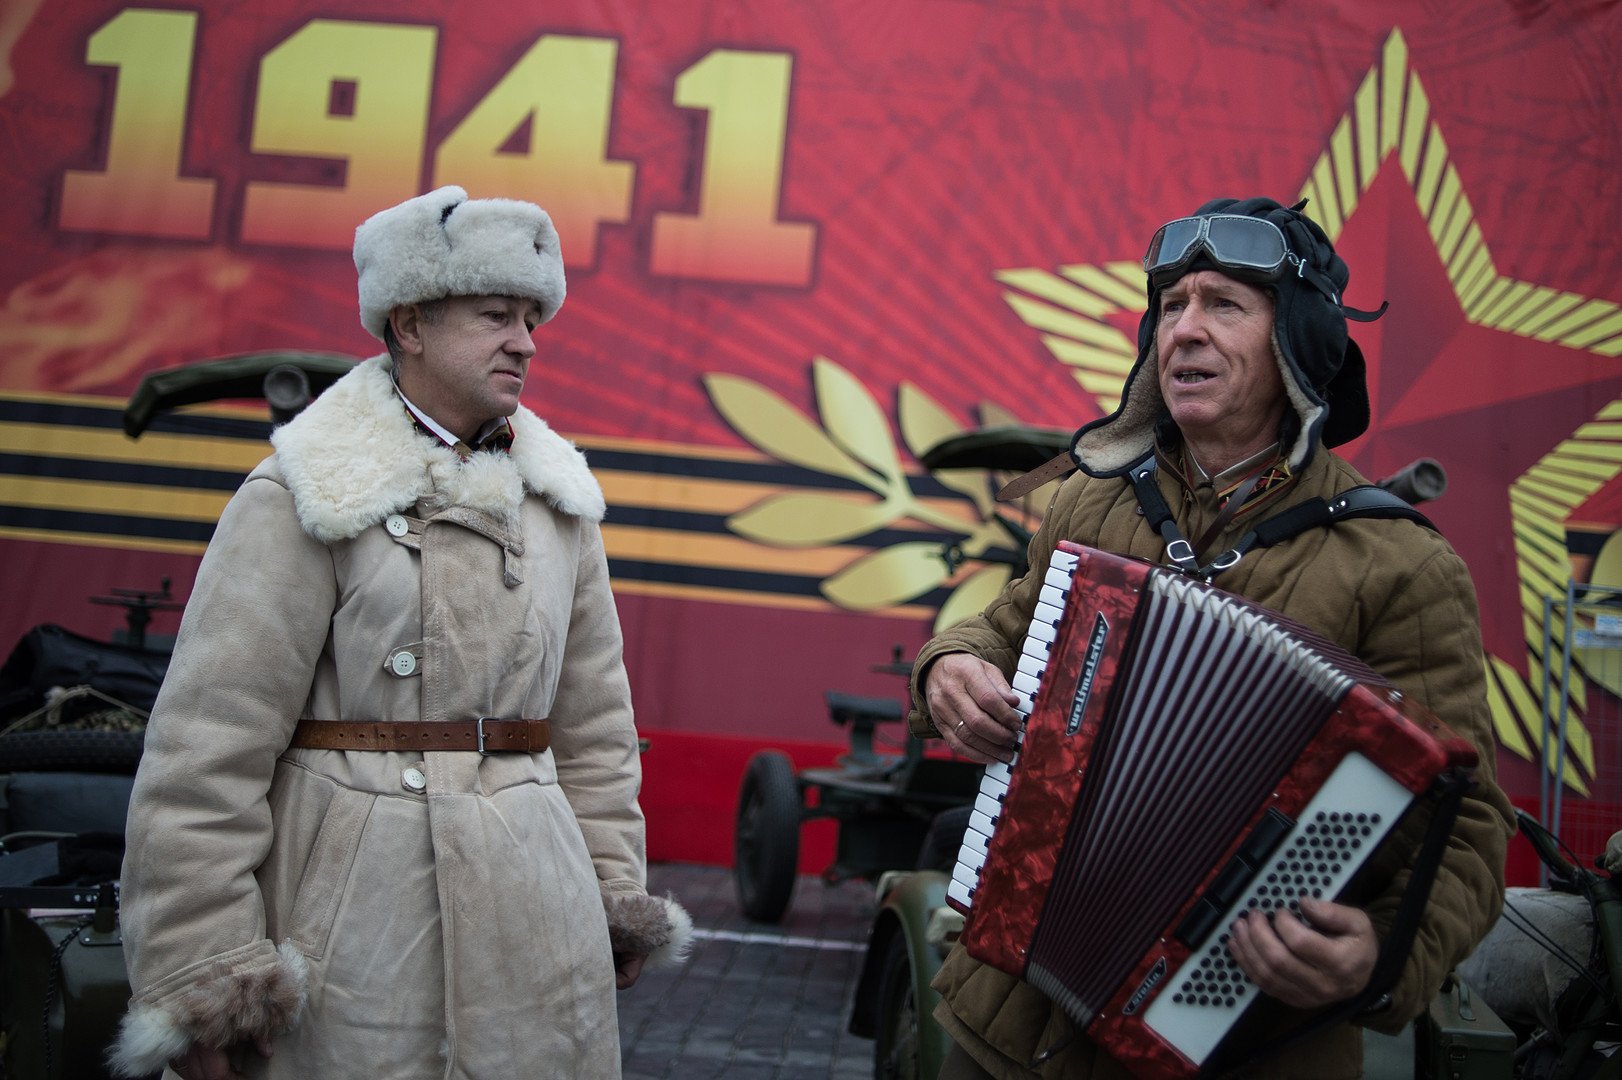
<point>1325,377</point>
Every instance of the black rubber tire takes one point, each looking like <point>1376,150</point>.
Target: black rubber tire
<point>895,1042</point>
<point>766,837</point>
<point>115,752</point>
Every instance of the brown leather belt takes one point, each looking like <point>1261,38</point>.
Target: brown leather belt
<point>487,736</point>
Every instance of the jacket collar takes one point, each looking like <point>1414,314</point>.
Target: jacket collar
<point>353,457</point>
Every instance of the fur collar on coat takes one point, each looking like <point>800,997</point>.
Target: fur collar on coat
<point>353,457</point>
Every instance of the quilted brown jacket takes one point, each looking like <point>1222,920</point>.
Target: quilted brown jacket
<point>1392,592</point>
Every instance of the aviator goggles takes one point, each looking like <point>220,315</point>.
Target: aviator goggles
<point>1245,247</point>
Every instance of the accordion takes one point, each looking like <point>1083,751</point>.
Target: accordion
<point>1187,756</point>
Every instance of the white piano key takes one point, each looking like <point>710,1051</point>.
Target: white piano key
<point>1025,704</point>
<point>1025,683</point>
<point>967,875</point>
<point>1048,613</point>
<point>1036,647</point>
<point>1058,577</point>
<point>1052,594</point>
<point>1042,631</point>
<point>1032,665</point>
<point>989,805</point>
<point>958,891</point>
<point>970,859</point>
<point>973,841</point>
<point>981,823</point>
<point>1000,773</point>
<point>1066,560</point>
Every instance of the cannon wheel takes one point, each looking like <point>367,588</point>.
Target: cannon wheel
<point>766,842</point>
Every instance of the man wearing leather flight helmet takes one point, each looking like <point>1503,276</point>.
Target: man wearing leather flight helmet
<point>1245,377</point>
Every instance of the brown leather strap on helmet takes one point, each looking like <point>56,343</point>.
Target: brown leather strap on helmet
<point>1052,469</point>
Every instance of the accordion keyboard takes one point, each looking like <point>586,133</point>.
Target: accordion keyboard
<point>1027,681</point>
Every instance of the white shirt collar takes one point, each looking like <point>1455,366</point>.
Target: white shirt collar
<point>435,426</point>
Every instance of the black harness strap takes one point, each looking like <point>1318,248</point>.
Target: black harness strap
<point>1158,515</point>
<point>1366,500</point>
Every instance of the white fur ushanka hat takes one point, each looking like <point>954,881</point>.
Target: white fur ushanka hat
<point>445,244</point>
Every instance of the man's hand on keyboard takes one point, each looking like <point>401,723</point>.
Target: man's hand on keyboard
<point>972,706</point>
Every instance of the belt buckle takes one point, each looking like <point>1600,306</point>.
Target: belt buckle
<point>478,727</point>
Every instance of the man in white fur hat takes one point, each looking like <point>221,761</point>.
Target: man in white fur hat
<point>386,823</point>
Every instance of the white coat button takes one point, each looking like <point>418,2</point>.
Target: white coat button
<point>414,780</point>
<point>396,524</point>
<point>404,664</point>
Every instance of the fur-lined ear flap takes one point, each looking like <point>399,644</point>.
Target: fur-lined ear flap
<point>656,927</point>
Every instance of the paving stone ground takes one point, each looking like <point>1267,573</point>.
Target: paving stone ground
<point>754,1002</point>
<point>771,1002</point>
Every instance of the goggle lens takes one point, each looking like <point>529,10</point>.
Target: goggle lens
<point>1249,245</point>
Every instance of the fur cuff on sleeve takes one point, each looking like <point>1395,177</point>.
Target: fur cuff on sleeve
<point>225,1006</point>
<point>653,926</point>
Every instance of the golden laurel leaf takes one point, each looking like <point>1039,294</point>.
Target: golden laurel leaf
<point>969,482</point>
<point>923,421</point>
<point>971,597</point>
<point>923,424</point>
<point>854,419</point>
<point>778,428</point>
<point>994,415</point>
<point>810,519</point>
<point>890,576</point>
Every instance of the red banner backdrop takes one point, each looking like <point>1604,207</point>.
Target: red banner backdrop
<point>805,243</point>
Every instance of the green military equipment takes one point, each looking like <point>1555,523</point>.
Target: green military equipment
<point>1461,1038</point>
